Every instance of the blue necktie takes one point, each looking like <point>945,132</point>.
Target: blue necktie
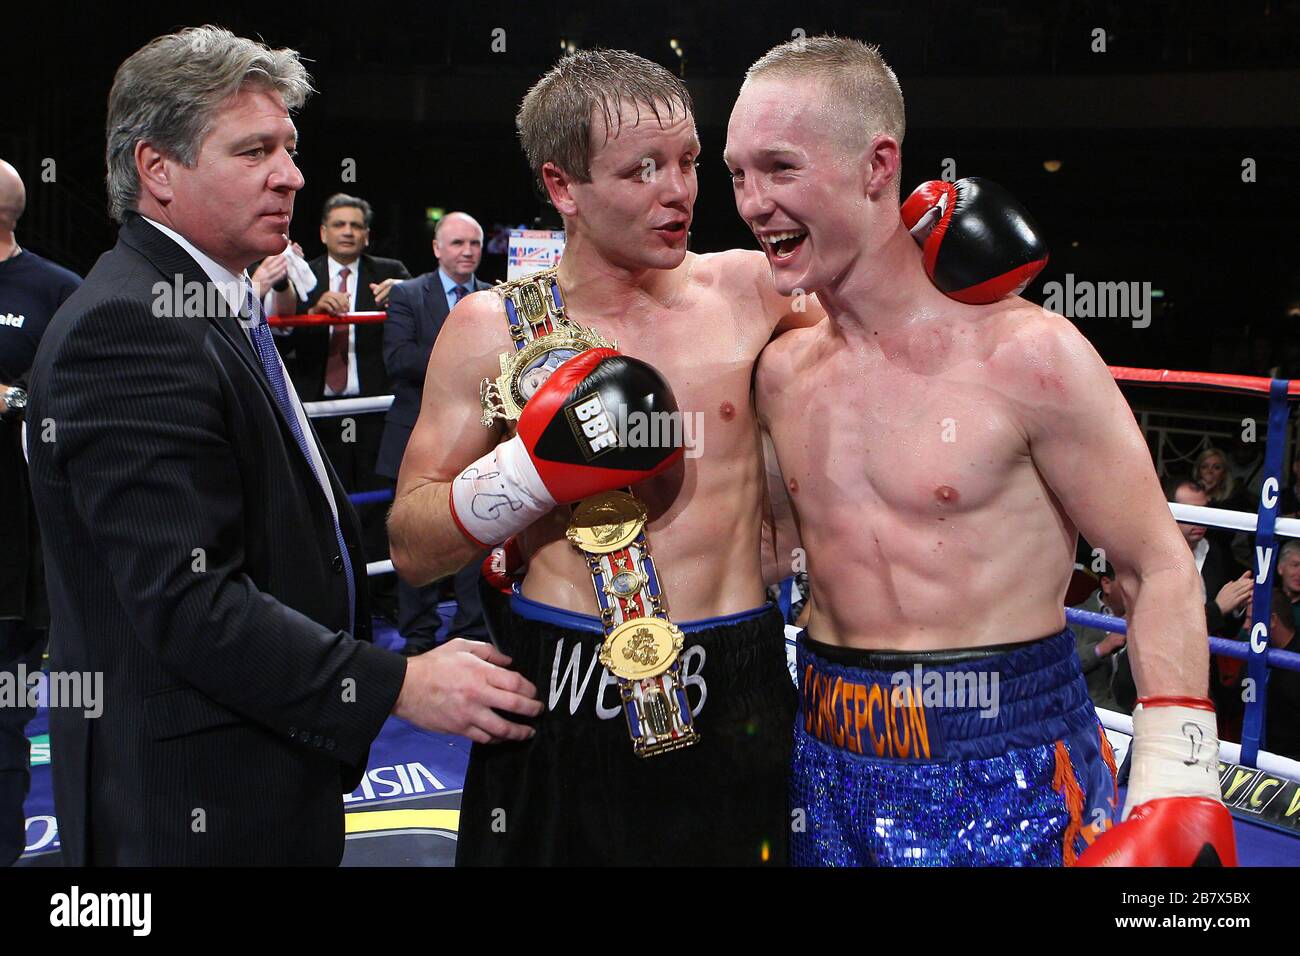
<point>264,343</point>
<point>461,292</point>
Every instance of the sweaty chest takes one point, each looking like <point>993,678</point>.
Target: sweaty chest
<point>917,445</point>
<point>710,376</point>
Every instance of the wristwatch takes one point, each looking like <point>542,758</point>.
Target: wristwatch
<point>15,401</point>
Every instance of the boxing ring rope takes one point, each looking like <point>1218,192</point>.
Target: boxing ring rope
<point>1222,646</point>
<point>351,318</point>
<point>330,408</point>
<point>1229,752</point>
<point>347,406</point>
<point>1265,525</point>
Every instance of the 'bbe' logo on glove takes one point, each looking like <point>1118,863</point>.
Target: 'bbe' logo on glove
<point>588,418</point>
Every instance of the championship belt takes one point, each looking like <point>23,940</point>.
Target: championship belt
<point>642,646</point>
<point>544,339</point>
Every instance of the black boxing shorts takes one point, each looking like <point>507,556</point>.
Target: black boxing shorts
<point>576,794</point>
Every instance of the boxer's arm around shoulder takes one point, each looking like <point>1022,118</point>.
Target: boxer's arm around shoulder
<point>784,312</point>
<point>141,441</point>
<point>1089,449</point>
<point>746,280</point>
<point>424,540</point>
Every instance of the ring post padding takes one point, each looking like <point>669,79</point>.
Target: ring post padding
<point>1252,725</point>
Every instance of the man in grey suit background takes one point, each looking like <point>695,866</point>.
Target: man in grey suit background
<point>416,310</point>
<point>201,554</point>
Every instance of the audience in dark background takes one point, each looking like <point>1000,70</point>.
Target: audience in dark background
<point>31,290</point>
<point>416,312</point>
<point>1101,653</point>
<point>347,361</point>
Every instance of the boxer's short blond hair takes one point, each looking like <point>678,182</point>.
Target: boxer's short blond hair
<point>854,72</point>
<point>555,117</point>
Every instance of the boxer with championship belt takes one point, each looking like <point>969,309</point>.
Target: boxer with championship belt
<point>641,644</point>
<point>620,169</point>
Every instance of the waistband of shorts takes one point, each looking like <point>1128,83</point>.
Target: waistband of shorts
<point>739,667</point>
<point>942,705</point>
<point>532,610</point>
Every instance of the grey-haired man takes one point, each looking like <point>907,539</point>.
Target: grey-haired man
<point>202,555</point>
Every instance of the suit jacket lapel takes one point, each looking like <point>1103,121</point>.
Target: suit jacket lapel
<point>361,272</point>
<point>175,263</point>
<point>436,306</point>
<point>321,267</point>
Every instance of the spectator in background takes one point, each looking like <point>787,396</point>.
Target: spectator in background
<point>1215,477</point>
<point>416,312</point>
<point>1288,575</point>
<point>1227,585</point>
<point>1282,717</point>
<point>31,291</point>
<point>347,361</point>
<point>1214,474</point>
<point>1101,652</point>
<point>1227,589</point>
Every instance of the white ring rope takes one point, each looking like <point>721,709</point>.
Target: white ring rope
<point>1229,752</point>
<point>379,567</point>
<point>1235,520</point>
<point>347,406</point>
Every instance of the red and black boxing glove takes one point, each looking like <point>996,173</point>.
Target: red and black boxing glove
<point>978,244</point>
<point>504,565</point>
<point>569,445</point>
<point>1174,814</point>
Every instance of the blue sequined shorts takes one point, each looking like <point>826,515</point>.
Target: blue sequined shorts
<point>989,757</point>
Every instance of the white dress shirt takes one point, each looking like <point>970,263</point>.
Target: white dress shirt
<point>235,289</point>
<point>1199,552</point>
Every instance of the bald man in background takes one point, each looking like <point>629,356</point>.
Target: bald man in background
<point>416,311</point>
<point>31,290</point>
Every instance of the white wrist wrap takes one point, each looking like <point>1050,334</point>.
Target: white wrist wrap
<point>1175,754</point>
<point>499,495</point>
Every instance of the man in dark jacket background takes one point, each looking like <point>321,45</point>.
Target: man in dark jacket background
<point>416,312</point>
<point>31,291</point>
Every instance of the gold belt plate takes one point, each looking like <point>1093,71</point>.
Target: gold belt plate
<point>642,647</point>
<point>607,522</point>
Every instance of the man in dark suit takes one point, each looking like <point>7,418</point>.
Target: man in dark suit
<point>416,311</point>
<point>31,291</point>
<point>347,361</point>
<point>202,558</point>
